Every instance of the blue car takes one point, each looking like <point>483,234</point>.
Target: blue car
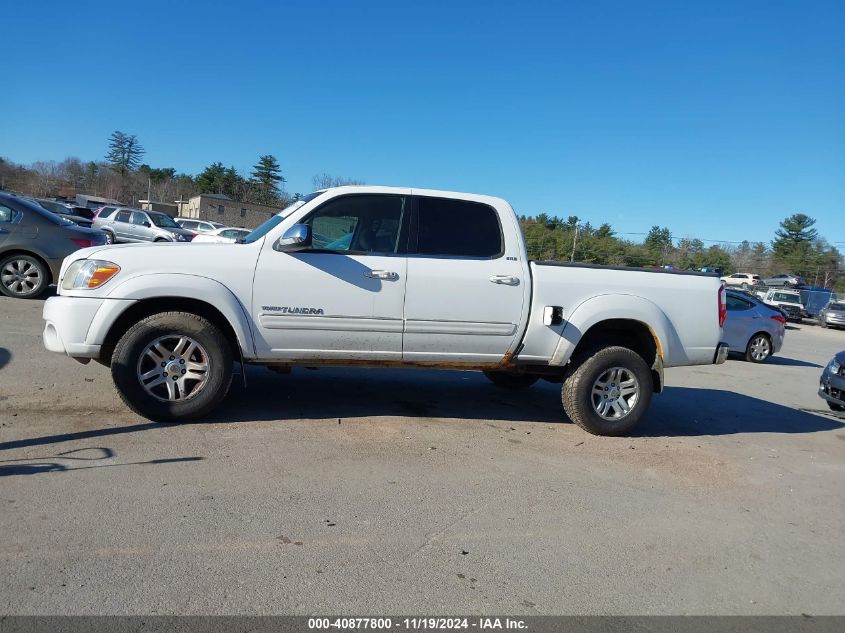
<point>832,383</point>
<point>752,328</point>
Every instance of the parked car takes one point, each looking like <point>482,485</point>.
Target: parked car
<point>63,210</point>
<point>105,209</point>
<point>713,270</point>
<point>785,280</point>
<point>457,292</point>
<point>832,383</point>
<point>833,315</point>
<point>227,234</point>
<point>136,225</point>
<point>789,301</point>
<point>742,280</point>
<point>33,243</point>
<point>199,226</point>
<point>752,328</point>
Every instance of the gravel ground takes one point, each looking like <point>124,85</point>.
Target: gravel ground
<point>384,491</point>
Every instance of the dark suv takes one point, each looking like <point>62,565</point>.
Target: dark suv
<point>33,244</point>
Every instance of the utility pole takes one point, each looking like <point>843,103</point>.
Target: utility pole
<point>574,242</point>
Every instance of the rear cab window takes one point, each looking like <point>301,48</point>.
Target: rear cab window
<point>456,228</point>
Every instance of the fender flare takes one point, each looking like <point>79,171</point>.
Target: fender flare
<point>616,306</point>
<point>176,286</point>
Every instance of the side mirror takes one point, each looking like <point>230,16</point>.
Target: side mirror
<point>147,224</point>
<point>296,238</point>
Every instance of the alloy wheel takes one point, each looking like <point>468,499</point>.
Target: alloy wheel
<point>173,368</point>
<point>20,276</point>
<point>615,393</point>
<point>760,348</point>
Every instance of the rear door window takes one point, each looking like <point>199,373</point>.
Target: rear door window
<point>457,228</point>
<point>735,304</point>
<point>122,216</point>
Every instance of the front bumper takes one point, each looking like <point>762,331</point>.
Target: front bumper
<point>721,354</point>
<point>835,321</point>
<point>832,387</point>
<point>77,326</point>
<point>67,320</point>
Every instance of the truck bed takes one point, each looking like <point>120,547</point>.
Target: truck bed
<point>680,308</point>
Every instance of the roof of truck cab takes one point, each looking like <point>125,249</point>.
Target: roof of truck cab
<point>414,191</point>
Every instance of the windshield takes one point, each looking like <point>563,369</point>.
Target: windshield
<point>786,297</point>
<point>263,229</point>
<point>268,225</point>
<point>838,307</point>
<point>160,219</point>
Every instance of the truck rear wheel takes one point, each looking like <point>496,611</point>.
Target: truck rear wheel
<point>509,380</point>
<point>607,391</point>
<point>172,366</point>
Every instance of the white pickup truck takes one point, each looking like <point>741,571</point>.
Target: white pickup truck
<point>381,276</point>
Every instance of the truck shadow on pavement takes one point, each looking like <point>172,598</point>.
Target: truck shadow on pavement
<point>5,357</point>
<point>688,411</point>
<point>339,393</point>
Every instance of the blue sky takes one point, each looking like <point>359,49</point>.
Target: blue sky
<point>716,119</point>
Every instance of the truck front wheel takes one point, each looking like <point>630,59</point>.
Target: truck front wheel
<point>172,366</point>
<point>607,391</point>
<point>508,380</point>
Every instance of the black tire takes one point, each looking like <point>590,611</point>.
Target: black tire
<point>508,380</point>
<point>160,239</point>
<point>835,407</point>
<point>126,365</point>
<point>585,371</point>
<point>758,338</point>
<point>23,277</point>
<point>110,239</point>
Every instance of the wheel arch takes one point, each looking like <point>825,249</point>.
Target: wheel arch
<point>171,292</point>
<point>640,325</point>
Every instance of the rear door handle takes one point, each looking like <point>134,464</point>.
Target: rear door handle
<point>387,275</point>
<point>506,280</point>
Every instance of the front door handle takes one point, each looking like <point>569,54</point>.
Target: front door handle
<point>387,275</point>
<point>507,280</point>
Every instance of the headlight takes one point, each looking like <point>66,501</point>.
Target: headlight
<point>179,237</point>
<point>84,274</point>
<point>834,367</point>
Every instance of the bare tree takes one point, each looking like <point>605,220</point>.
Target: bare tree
<point>326,181</point>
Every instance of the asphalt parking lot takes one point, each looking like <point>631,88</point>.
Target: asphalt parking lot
<point>383,491</point>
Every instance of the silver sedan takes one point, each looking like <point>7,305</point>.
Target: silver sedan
<point>833,315</point>
<point>752,328</point>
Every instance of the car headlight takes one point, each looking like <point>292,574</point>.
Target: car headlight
<point>179,237</point>
<point>834,366</point>
<point>84,274</point>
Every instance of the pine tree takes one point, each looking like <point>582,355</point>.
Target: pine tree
<point>266,177</point>
<point>124,153</point>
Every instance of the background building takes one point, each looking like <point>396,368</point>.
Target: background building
<point>220,208</point>
<point>171,209</point>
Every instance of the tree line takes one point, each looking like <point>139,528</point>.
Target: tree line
<point>796,248</point>
<point>122,175</point>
